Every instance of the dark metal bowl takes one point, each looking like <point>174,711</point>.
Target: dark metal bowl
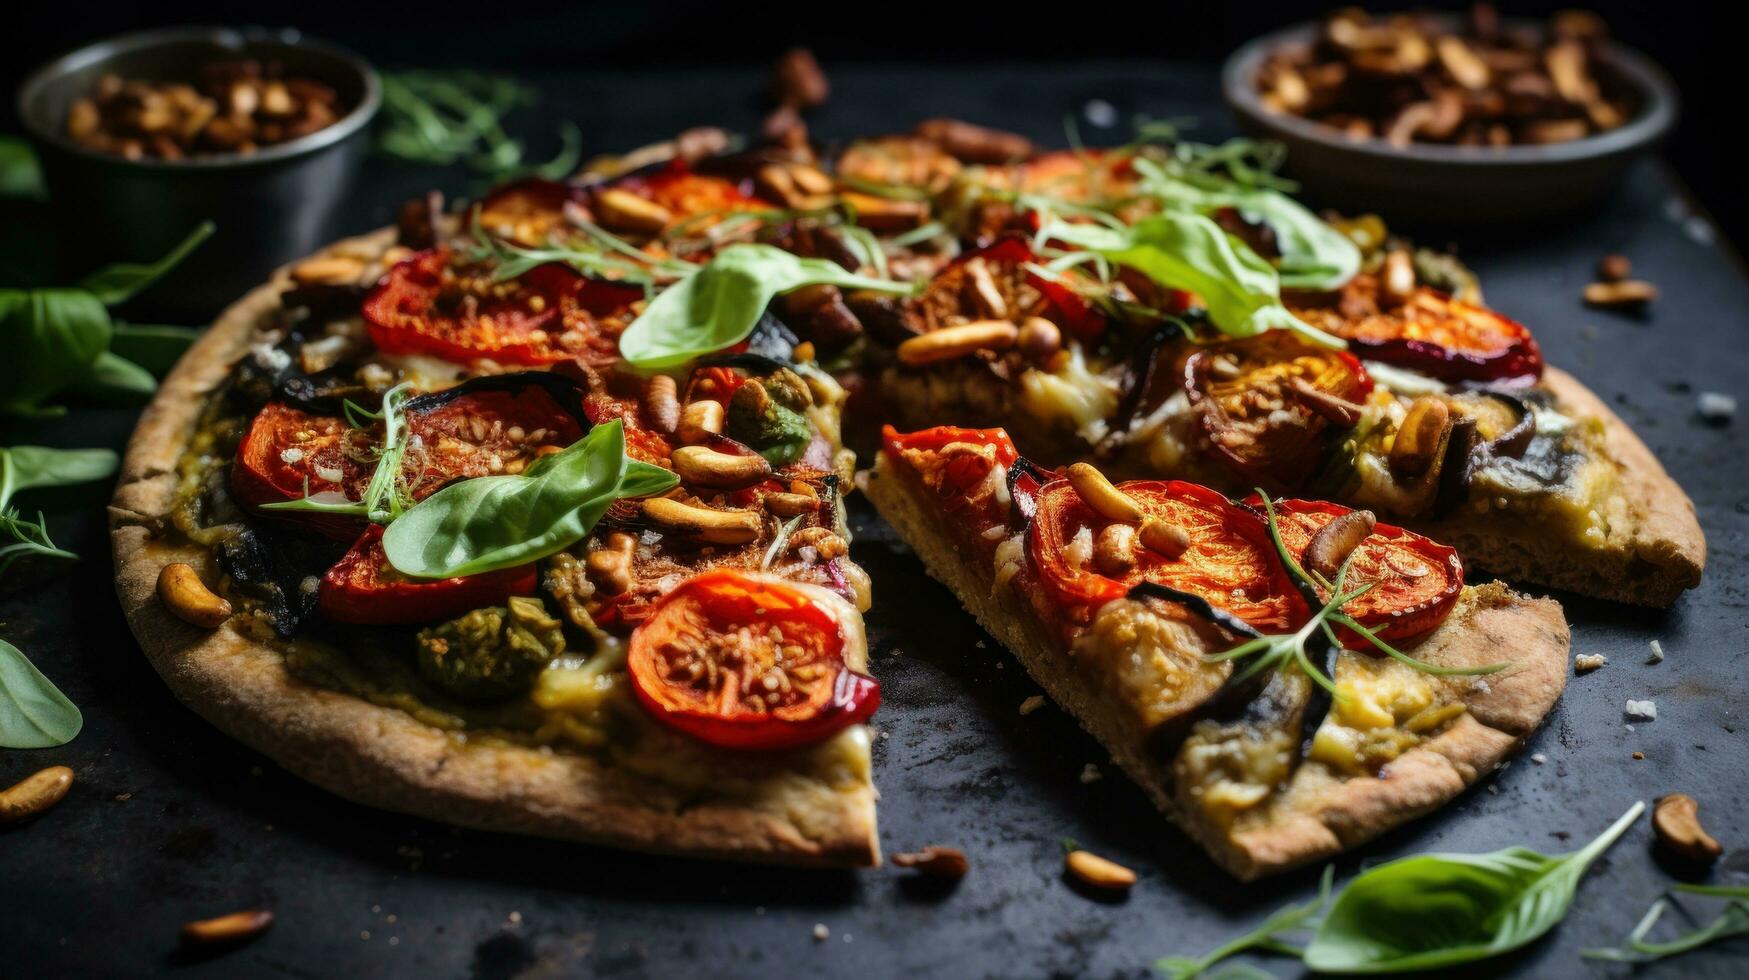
<point>270,206</point>
<point>1454,185</point>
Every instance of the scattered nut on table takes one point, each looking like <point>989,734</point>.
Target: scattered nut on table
<point>936,861</point>
<point>224,929</point>
<point>1091,869</point>
<point>1624,294</point>
<point>34,794</point>
<point>1676,821</point>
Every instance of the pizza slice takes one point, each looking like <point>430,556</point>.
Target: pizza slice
<point>1284,678</point>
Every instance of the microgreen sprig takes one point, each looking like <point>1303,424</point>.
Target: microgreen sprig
<point>1732,921</point>
<point>384,498</point>
<point>1267,937</point>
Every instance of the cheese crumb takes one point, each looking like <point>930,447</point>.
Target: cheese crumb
<point>1539,758</point>
<point>1032,704</point>
<point>1585,663</point>
<point>1642,710</point>
<point>1090,774</point>
<point>821,933</point>
<point>1716,407</point>
<point>1657,656</point>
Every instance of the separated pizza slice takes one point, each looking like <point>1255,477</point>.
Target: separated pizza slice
<point>1285,679</point>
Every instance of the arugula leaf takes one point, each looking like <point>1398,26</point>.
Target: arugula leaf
<point>1439,910</point>
<point>34,714</point>
<point>494,522</point>
<point>1313,254</point>
<point>53,336</point>
<point>116,284</point>
<point>1265,937</point>
<point>1183,250</point>
<point>1732,921</point>
<point>719,304</point>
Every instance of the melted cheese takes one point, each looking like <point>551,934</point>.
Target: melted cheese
<point>1074,396</point>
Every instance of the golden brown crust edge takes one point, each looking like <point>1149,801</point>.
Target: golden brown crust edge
<point>382,756</point>
<point>1314,818</point>
<point>1656,548</point>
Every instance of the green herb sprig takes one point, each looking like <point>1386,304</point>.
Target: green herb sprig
<point>61,337</point>
<point>384,498</point>
<point>1267,937</point>
<point>35,467</point>
<point>1732,921</point>
<point>444,118</point>
<point>1441,910</point>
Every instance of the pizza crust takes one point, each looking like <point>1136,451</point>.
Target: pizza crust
<point>1317,815</point>
<point>384,757</point>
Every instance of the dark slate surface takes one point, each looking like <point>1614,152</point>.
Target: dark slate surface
<point>170,821</point>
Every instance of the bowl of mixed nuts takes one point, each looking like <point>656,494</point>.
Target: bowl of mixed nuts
<point>143,137</point>
<point>1452,119</point>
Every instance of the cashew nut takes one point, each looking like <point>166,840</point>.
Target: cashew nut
<point>791,504</point>
<point>1676,820</point>
<point>227,928</point>
<point>34,794</point>
<point>188,599</point>
<point>1398,281</point>
<point>1106,500</point>
<point>936,861</point>
<point>983,292</point>
<point>1335,541</point>
<point>706,467</point>
<point>699,421</point>
<point>624,211</point>
<point>702,523</point>
<point>611,565</point>
<point>328,270</point>
<point>1094,870</point>
<point>952,343</point>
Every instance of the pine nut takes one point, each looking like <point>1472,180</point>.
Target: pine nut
<point>702,523</point>
<point>662,403</point>
<point>1165,539</point>
<point>1106,500</point>
<point>329,270</point>
<point>34,794</point>
<point>984,293</point>
<point>621,210</point>
<point>1091,869</point>
<point>1335,541</point>
<point>1114,550</point>
<point>952,343</point>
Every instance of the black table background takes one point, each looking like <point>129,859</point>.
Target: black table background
<point>170,821</point>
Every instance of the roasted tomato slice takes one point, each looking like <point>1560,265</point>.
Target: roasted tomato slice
<point>1418,579</point>
<point>438,304</point>
<point>956,292</point>
<point>684,194</point>
<point>363,588</point>
<point>1230,560</point>
<point>1265,402</point>
<point>1080,176</point>
<point>1430,332</point>
<point>747,661</point>
<point>956,463</point>
<point>527,211</point>
<point>496,424</point>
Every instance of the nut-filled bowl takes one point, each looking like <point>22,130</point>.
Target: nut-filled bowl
<point>1443,183</point>
<point>272,201</point>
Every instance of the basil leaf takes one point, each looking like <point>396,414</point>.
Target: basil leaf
<point>34,714</point>
<point>113,377</point>
<point>122,281</point>
<point>19,174</point>
<point>28,467</point>
<point>1265,937</point>
<point>1439,910</point>
<point>1182,250</point>
<point>718,305</point>
<point>53,338</point>
<point>155,348</point>
<point>1313,254</point>
<point>494,522</point>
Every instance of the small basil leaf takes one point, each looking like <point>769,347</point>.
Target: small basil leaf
<point>28,467</point>
<point>115,378</point>
<point>718,305</point>
<point>494,522</point>
<point>19,174</point>
<point>53,337</point>
<point>1439,910</point>
<point>1182,250</point>
<point>152,347</point>
<point>34,714</point>
<point>118,283</point>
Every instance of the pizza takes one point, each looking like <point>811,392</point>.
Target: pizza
<point>530,515</point>
<point>1184,630</point>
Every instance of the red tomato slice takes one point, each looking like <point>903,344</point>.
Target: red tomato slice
<point>1430,332</point>
<point>684,194</point>
<point>491,425</point>
<point>1266,402</point>
<point>643,443</point>
<point>363,588</point>
<point>1418,579</point>
<point>438,304</point>
<point>527,210</point>
<point>746,661</point>
<point>1090,175</point>
<point>953,462</point>
<point>1230,562</point>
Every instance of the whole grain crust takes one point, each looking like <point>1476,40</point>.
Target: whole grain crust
<point>384,757</point>
<point>1318,814</point>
